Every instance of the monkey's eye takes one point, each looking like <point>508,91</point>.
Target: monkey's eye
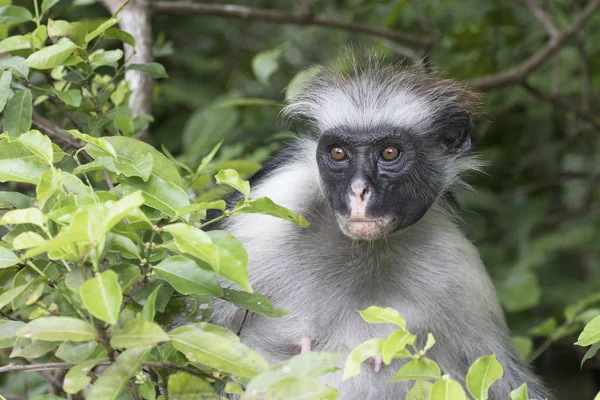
<point>337,153</point>
<point>390,153</point>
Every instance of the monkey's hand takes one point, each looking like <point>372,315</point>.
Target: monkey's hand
<point>377,363</point>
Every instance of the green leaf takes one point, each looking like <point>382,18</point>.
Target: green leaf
<point>8,296</point>
<point>380,315</point>
<point>100,29</point>
<point>19,170</point>
<point>546,328</point>
<point>7,332</point>
<point>58,329</point>
<point>114,379</point>
<point>187,277</point>
<point>102,296</point>
<point>137,333</point>
<point>447,389</point>
<point>24,216</point>
<point>421,390</point>
<point>50,182</point>
<point>395,343</point>
<point>158,193</point>
<point>231,178</point>
<point>155,70</point>
<point>51,56</point>
<point>128,274</point>
<point>482,374</point>
<point>117,210</point>
<point>520,393</point>
<point>47,4</point>
<point>218,352</point>
<point>254,302</point>
<point>15,65</point>
<point>7,258</point>
<point>5,91</point>
<point>28,348</point>
<point>265,63</point>
<point>149,309</point>
<point>116,33</point>
<point>206,129</point>
<point>38,144</point>
<point>233,259</point>
<point>592,351</point>
<point>195,242</point>
<point>294,388</point>
<point>101,143</point>
<point>418,368</point>
<point>16,42</point>
<point>105,57</point>
<point>266,206</point>
<point>10,15</point>
<point>14,200</point>
<point>429,344</point>
<point>183,386</point>
<point>77,378</point>
<point>520,291</point>
<point>140,167</point>
<point>123,245</point>
<point>70,97</point>
<point>590,334</point>
<point>363,351</point>
<point>523,345</point>
<point>75,352</point>
<point>211,205</point>
<point>18,113</point>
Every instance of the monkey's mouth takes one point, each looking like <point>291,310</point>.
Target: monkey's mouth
<point>366,228</point>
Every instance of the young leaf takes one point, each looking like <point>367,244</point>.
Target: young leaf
<point>231,178</point>
<point>155,70</point>
<point>158,193</point>
<point>149,309</point>
<point>380,315</point>
<point>17,117</point>
<point>254,302</point>
<point>114,379</point>
<point>266,206</point>
<point>187,277</point>
<point>429,344</point>
<point>363,351</point>
<point>184,386</point>
<point>115,33</point>
<point>195,242</point>
<point>211,205</point>
<point>70,97</point>
<point>10,15</point>
<point>395,343</point>
<point>590,334</point>
<point>417,368</point>
<point>24,216</point>
<point>100,29</point>
<point>137,333</point>
<point>421,390</point>
<point>446,389</point>
<point>592,351</point>
<point>482,374</point>
<point>101,143</point>
<point>233,259</point>
<point>58,329</point>
<point>77,378</point>
<point>102,296</point>
<point>38,144</point>
<point>27,240</point>
<point>7,258</point>
<point>51,56</point>
<point>520,393</point>
<point>218,352</point>
<point>117,210</point>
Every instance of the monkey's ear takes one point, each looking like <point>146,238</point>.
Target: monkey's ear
<point>456,134</point>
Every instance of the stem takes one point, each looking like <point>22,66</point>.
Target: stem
<point>37,13</point>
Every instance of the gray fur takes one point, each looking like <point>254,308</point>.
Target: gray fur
<point>429,271</point>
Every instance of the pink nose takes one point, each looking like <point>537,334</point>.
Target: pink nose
<point>361,189</point>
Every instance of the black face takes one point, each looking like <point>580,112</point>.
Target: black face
<point>379,182</point>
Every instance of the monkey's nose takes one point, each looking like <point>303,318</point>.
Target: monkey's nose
<point>361,189</point>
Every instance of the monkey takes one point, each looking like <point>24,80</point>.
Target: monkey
<point>384,147</point>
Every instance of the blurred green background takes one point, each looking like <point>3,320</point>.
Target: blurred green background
<point>534,214</point>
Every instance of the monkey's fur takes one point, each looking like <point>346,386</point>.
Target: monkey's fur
<point>420,264</point>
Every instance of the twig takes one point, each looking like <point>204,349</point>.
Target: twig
<point>586,85</point>
<point>277,16</point>
<point>423,21</point>
<point>563,102</point>
<point>519,73</point>
<point>541,15</point>
<point>55,132</point>
<point>403,51</point>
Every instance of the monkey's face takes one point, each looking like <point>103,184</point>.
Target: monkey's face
<point>379,182</point>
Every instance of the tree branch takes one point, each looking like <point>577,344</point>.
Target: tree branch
<point>563,102</point>
<point>54,131</point>
<point>519,73</point>
<point>277,16</point>
<point>542,16</point>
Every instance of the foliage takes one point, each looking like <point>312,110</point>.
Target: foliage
<point>100,229</point>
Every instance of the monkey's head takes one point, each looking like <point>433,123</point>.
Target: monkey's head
<point>390,142</point>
